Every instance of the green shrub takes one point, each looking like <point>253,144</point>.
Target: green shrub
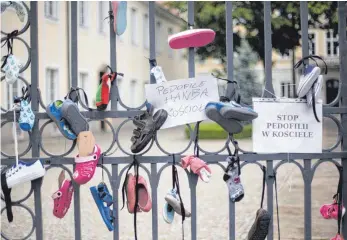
<point>214,131</point>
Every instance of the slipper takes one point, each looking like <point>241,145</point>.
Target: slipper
<point>121,18</point>
<point>85,166</point>
<point>103,91</point>
<point>191,38</point>
<point>62,198</point>
<point>54,112</point>
<point>168,213</point>
<point>145,202</point>
<point>104,200</point>
<point>130,183</point>
<point>198,167</point>
<point>11,67</point>
<point>70,112</point>
<point>173,200</point>
<point>229,125</point>
<point>310,75</point>
<point>260,227</point>
<point>317,87</point>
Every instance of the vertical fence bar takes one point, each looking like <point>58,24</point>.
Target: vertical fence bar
<point>269,90</point>
<point>151,19</point>
<point>34,51</point>
<point>74,78</point>
<point>307,162</point>
<point>229,93</point>
<point>154,187</point>
<point>113,63</point>
<point>115,201</point>
<point>270,195</point>
<point>342,15</point>
<point>191,62</point>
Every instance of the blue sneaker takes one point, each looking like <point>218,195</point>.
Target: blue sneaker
<point>103,200</point>
<point>121,18</point>
<point>233,110</point>
<point>307,80</point>
<point>54,112</point>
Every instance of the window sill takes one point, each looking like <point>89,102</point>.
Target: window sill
<point>84,27</point>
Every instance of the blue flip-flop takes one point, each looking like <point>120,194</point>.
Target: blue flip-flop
<point>101,195</point>
<point>121,17</point>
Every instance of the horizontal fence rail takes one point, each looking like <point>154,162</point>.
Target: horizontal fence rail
<point>303,161</point>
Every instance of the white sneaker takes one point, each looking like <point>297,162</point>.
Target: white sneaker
<point>172,199</point>
<point>24,172</point>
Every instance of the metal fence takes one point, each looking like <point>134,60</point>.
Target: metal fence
<point>302,161</point>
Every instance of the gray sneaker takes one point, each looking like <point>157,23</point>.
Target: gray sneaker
<point>260,227</point>
<point>233,180</point>
<point>173,200</point>
<point>70,112</point>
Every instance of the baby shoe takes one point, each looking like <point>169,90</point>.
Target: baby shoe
<point>191,38</point>
<point>27,117</point>
<point>197,166</point>
<point>85,166</point>
<point>173,200</point>
<point>330,211</point>
<point>233,180</point>
<point>63,197</point>
<point>11,69</point>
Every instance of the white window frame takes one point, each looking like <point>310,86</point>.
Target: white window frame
<point>133,26</point>
<point>132,90</point>
<point>331,40</point>
<point>146,31</point>
<point>55,10</point>
<point>83,14</point>
<point>102,11</point>
<point>314,41</point>
<point>170,50</point>
<point>158,28</point>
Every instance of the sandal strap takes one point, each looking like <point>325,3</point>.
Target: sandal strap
<point>139,123</point>
<point>136,133</point>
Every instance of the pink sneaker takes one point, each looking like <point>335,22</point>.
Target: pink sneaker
<point>329,211</point>
<point>191,38</point>
<point>337,237</point>
<point>144,198</point>
<point>62,198</point>
<point>85,166</point>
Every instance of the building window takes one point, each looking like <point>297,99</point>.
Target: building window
<point>287,90</point>
<point>170,53</point>
<point>146,31</point>
<point>51,85</point>
<point>133,22</point>
<point>157,37</point>
<point>102,14</point>
<point>51,10</point>
<point>332,44</point>
<point>132,93</point>
<point>312,43</point>
<point>83,13</point>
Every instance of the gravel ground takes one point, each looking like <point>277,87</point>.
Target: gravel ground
<point>212,198</point>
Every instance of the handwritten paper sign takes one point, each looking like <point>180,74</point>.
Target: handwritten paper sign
<point>286,126</point>
<point>183,99</point>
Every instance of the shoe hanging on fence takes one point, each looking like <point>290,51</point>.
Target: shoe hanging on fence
<point>63,197</point>
<point>197,166</point>
<point>120,17</point>
<point>147,125</point>
<point>27,117</point>
<point>104,201</point>
<point>191,38</point>
<point>173,200</point>
<point>17,6</point>
<point>70,112</point>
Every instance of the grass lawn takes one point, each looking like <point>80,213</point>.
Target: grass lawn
<point>211,130</point>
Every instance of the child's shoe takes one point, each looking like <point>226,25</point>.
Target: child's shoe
<point>330,211</point>
<point>85,166</point>
<point>11,69</point>
<point>27,117</point>
<point>121,18</point>
<point>191,38</point>
<point>260,227</point>
<point>144,198</point>
<point>317,87</point>
<point>173,200</point>
<point>70,112</point>
<point>104,200</point>
<point>233,180</point>
<point>197,166</point>
<point>168,213</point>
<point>63,197</point>
<point>307,80</point>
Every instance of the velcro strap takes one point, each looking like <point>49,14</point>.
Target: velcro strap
<point>137,133</point>
<point>133,139</point>
<point>140,124</point>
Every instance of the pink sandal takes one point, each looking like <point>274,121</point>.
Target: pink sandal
<point>191,38</point>
<point>85,166</point>
<point>330,211</point>
<point>197,166</point>
<point>62,198</point>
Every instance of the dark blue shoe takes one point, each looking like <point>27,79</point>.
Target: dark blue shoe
<point>101,196</point>
<point>54,112</point>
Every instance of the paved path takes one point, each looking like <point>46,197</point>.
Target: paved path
<point>212,199</point>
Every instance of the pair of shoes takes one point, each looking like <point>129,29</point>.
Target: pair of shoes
<point>147,125</point>
<point>119,9</point>
<point>144,198</point>
<point>260,227</point>
<point>172,205</point>
<point>197,166</point>
<point>63,197</point>
<point>228,114</point>
<point>330,211</point>
<point>191,38</point>
<point>104,200</point>
<point>68,118</point>
<point>233,180</point>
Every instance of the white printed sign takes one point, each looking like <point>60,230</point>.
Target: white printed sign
<point>183,99</point>
<point>286,126</point>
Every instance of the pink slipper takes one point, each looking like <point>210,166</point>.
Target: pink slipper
<point>337,237</point>
<point>114,9</point>
<point>85,166</point>
<point>62,198</point>
<point>197,166</point>
<point>144,198</point>
<point>191,38</point>
<point>329,211</point>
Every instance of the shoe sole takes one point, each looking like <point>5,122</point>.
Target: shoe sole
<point>317,87</point>
<point>101,208</point>
<point>176,205</point>
<point>121,17</point>
<point>52,117</point>
<point>308,82</point>
<point>236,113</point>
<point>260,227</point>
<point>166,219</point>
<point>73,116</point>
<point>229,125</point>
<point>195,38</point>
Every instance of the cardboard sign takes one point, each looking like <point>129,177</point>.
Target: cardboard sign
<point>183,99</point>
<point>286,126</point>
